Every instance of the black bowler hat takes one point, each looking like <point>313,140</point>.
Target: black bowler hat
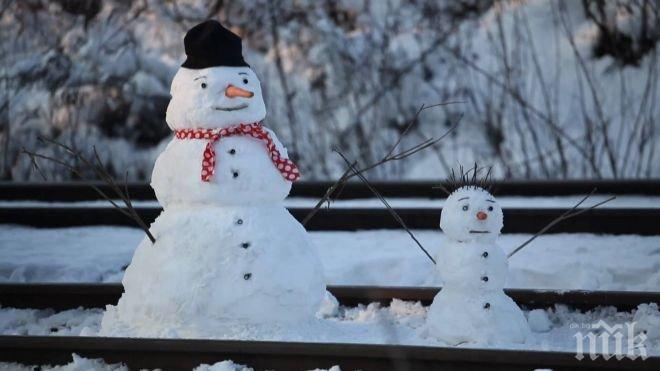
<point>209,44</point>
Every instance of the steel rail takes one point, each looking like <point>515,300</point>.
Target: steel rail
<point>81,191</point>
<point>604,221</point>
<point>179,354</point>
<point>62,296</point>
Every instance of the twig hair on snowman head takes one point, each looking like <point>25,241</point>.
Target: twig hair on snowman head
<point>469,178</point>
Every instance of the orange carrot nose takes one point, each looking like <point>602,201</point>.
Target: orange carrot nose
<point>233,92</point>
<point>482,215</point>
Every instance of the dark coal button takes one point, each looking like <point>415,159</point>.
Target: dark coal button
<point>485,254</point>
<point>484,278</point>
<point>232,151</point>
<point>239,221</point>
<point>245,245</point>
<point>487,305</point>
<point>247,276</point>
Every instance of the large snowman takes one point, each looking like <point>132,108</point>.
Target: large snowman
<point>228,256</point>
<point>472,306</point>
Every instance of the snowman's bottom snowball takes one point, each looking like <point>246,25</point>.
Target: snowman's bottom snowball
<point>219,270</point>
<point>457,316</point>
<point>199,328</point>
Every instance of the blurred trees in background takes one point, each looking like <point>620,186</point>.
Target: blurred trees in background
<point>548,88</point>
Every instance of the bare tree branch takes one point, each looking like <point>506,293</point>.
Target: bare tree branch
<point>273,12</point>
<point>604,123</point>
<point>518,98</point>
<point>35,165</point>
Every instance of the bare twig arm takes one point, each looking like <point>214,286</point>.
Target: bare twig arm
<point>34,156</point>
<point>395,215</point>
<point>572,212</point>
<point>326,197</point>
<point>390,156</point>
<point>97,166</point>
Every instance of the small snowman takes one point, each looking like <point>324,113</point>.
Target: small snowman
<point>472,306</point>
<point>229,260</point>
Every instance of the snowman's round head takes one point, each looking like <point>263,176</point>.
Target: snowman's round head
<point>215,97</point>
<point>471,214</point>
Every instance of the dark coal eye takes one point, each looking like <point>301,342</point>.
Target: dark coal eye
<point>465,207</point>
<point>490,208</point>
<point>203,85</point>
<point>245,81</point>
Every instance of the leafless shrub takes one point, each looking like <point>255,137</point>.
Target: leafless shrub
<point>351,74</point>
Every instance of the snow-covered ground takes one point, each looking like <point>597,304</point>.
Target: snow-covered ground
<point>627,201</point>
<point>378,257</point>
<point>79,363</point>
<point>382,257</point>
<point>67,255</point>
<point>401,322</point>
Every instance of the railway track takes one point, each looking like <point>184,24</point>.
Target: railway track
<point>519,220</point>
<point>173,354</point>
<point>177,354</point>
<point>81,191</point>
<point>68,296</point>
<point>606,221</point>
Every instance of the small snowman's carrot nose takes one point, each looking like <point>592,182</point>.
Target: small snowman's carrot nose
<point>233,92</point>
<point>482,215</point>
